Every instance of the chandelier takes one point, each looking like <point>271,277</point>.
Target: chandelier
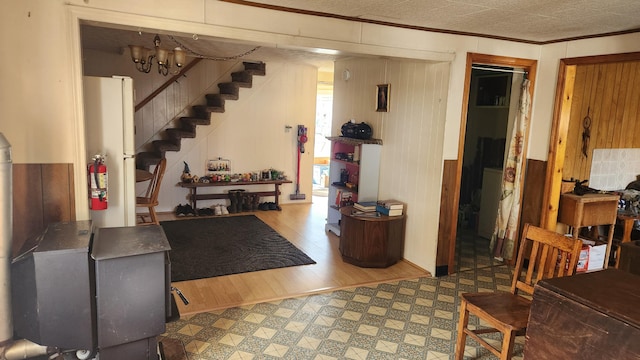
<point>166,59</point>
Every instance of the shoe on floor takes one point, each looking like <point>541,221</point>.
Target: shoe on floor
<point>188,210</point>
<point>205,212</point>
<point>224,210</point>
<point>263,206</point>
<point>218,210</point>
<point>180,210</point>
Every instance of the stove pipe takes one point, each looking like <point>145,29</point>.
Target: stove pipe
<point>6,234</point>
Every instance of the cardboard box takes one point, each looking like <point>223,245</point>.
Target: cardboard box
<point>591,256</point>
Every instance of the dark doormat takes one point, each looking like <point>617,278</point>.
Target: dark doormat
<point>209,247</point>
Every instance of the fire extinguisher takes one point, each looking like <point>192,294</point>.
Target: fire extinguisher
<point>97,183</point>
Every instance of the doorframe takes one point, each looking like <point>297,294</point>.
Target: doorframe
<point>560,129</point>
<point>530,66</point>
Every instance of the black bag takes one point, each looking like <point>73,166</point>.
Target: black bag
<point>356,131</point>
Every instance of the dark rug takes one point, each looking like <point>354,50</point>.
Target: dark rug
<point>203,248</point>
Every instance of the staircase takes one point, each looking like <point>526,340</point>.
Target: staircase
<point>201,115</point>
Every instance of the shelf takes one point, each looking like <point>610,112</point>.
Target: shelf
<point>492,106</point>
<point>364,172</point>
<point>351,141</point>
<point>355,189</point>
<point>352,163</point>
<point>336,207</point>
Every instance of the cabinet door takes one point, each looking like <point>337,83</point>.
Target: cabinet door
<point>364,242</point>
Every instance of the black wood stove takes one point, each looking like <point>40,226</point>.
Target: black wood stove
<point>103,291</point>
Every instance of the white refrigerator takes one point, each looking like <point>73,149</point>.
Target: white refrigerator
<point>109,130</point>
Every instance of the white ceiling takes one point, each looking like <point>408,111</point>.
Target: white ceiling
<point>532,21</point>
<point>536,21</point>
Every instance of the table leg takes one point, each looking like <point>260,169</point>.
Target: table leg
<point>628,226</point>
<point>609,243</point>
<point>276,196</point>
<point>193,198</point>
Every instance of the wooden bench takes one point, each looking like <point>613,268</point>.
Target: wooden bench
<point>194,196</point>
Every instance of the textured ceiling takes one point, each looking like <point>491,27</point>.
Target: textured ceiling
<point>532,21</point>
<point>537,21</point>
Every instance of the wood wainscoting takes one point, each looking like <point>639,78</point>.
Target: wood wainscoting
<point>532,193</point>
<point>447,223</point>
<point>42,194</point>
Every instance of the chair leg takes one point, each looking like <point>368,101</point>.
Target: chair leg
<point>508,338</point>
<point>154,217</point>
<point>462,336</point>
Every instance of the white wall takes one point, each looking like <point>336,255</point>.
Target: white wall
<point>412,136</point>
<point>251,132</point>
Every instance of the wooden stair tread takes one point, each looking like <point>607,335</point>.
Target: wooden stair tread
<point>201,114</point>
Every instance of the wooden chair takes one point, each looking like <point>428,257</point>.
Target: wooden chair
<point>549,255</point>
<point>150,200</point>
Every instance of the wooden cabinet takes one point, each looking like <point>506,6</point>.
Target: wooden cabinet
<point>585,316</point>
<point>371,241</point>
<point>354,171</point>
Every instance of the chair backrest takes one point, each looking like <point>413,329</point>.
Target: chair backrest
<point>156,180</point>
<point>549,255</point>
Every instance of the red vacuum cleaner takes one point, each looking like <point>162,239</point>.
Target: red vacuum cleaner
<point>302,139</point>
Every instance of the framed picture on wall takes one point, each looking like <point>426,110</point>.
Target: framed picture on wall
<point>382,98</point>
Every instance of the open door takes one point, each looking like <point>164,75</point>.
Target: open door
<point>452,174</point>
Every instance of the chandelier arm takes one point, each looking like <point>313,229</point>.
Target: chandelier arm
<point>143,67</point>
<point>163,69</point>
<point>224,58</point>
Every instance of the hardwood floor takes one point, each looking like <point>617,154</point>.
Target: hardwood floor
<point>303,225</point>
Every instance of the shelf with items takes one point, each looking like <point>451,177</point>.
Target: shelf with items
<point>219,169</point>
<point>354,168</point>
<point>493,90</point>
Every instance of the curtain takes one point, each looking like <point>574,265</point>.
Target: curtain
<point>506,227</point>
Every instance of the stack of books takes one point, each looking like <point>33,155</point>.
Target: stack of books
<point>390,207</point>
<point>365,206</point>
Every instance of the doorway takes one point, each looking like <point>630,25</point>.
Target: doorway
<point>561,129</point>
<point>493,100</point>
<point>489,107</point>
<point>322,146</point>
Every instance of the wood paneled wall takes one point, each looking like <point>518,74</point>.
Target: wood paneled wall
<point>610,95</point>
<point>446,223</point>
<point>532,193</point>
<point>42,194</point>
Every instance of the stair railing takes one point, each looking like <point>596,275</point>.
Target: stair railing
<point>167,83</point>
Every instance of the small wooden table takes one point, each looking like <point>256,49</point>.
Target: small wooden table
<point>194,196</point>
<point>589,210</point>
<point>375,242</point>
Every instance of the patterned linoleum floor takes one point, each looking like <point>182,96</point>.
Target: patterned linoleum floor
<point>412,319</point>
